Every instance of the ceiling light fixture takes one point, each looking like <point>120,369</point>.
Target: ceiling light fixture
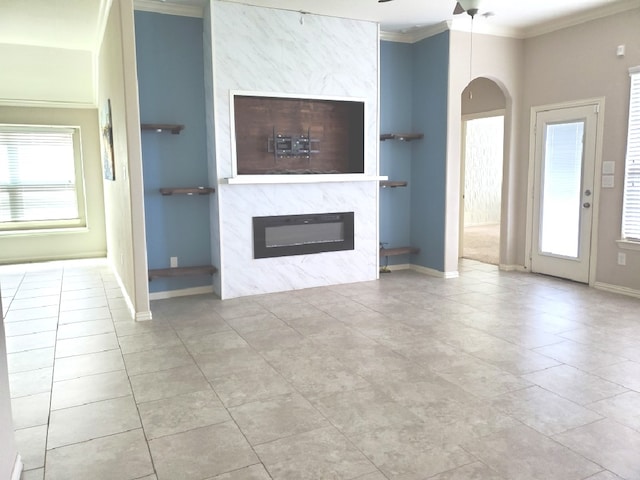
<point>470,6</point>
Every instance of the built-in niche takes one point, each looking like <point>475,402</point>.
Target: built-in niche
<point>283,135</point>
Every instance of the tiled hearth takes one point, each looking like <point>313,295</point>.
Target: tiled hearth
<point>492,375</point>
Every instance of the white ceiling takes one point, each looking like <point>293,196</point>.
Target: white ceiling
<point>73,24</point>
<point>513,17</point>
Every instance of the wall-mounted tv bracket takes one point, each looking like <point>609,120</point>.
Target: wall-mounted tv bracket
<point>287,146</point>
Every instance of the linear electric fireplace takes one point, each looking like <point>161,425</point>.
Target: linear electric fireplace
<point>284,235</point>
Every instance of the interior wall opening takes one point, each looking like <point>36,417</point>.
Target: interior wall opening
<point>482,158</point>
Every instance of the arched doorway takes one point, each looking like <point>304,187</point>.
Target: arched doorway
<point>483,106</point>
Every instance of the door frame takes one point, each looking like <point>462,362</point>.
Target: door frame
<point>597,102</point>
<point>463,165</point>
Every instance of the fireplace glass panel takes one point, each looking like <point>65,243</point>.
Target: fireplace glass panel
<point>304,234</point>
<point>284,235</point>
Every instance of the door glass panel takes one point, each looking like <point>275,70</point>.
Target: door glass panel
<point>561,189</point>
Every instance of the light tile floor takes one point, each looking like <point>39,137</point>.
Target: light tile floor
<point>493,375</point>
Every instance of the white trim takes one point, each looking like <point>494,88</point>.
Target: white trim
<point>393,268</point>
<point>310,178</point>
<point>597,188</point>
<point>53,258</point>
<point>184,292</point>
<point>169,8</point>
<point>103,18</point>
<point>21,102</point>
<point>417,34</point>
<point>634,70</point>
<point>377,147</point>
<point>259,179</point>
<point>462,24</point>
<point>434,273</point>
<point>301,96</point>
<point>512,268</point>
<point>17,468</point>
<point>581,17</point>
<point>476,116</point>
<point>631,292</point>
<point>600,103</point>
<point>628,244</point>
<point>125,294</point>
<point>143,316</point>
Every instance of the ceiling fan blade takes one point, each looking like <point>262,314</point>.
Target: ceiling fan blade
<point>459,9</point>
<point>384,1</point>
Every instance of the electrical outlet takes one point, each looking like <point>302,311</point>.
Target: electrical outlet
<point>622,258</point>
<point>173,262</point>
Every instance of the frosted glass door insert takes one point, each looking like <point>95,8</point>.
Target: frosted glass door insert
<point>562,189</point>
<point>563,199</point>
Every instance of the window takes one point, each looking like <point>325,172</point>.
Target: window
<point>39,172</point>
<point>631,209</point>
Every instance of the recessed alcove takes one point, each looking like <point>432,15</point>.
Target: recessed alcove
<point>287,135</point>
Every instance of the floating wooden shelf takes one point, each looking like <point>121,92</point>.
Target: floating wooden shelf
<point>405,137</point>
<point>392,183</point>
<point>389,252</point>
<point>163,127</point>
<point>187,191</point>
<point>181,271</point>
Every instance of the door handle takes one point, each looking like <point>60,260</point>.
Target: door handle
<point>586,205</point>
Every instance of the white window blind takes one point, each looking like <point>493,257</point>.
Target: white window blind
<point>631,209</point>
<point>37,175</point>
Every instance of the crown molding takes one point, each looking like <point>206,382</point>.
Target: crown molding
<point>103,17</point>
<point>416,34</point>
<point>464,25</point>
<point>576,19</point>
<point>457,25</point>
<point>169,8</point>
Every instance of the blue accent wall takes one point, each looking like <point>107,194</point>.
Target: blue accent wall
<point>428,164</point>
<point>169,53</point>
<point>413,98</point>
<point>396,77</point>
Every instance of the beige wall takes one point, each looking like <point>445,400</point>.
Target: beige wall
<point>499,59</point>
<point>56,75</point>
<point>124,202</point>
<point>8,452</point>
<point>72,243</point>
<point>482,95</point>
<point>580,63</point>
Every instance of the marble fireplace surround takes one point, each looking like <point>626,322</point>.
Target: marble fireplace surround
<point>254,49</point>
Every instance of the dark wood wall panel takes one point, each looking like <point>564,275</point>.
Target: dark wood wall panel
<point>338,125</point>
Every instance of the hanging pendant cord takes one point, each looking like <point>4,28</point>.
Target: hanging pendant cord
<point>471,59</point>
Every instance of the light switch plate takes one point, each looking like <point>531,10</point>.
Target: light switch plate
<point>607,181</point>
<point>608,167</point>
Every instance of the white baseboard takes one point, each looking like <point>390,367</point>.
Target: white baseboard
<point>512,268</point>
<point>434,273</point>
<point>631,292</point>
<point>184,292</point>
<point>393,268</point>
<point>143,316</point>
<point>17,468</point>
<point>125,294</point>
<point>54,258</point>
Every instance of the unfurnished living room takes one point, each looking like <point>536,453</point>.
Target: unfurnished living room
<point>364,240</point>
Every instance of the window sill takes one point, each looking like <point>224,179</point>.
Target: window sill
<point>41,232</point>
<point>628,244</point>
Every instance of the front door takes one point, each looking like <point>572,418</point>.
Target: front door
<point>563,198</point>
